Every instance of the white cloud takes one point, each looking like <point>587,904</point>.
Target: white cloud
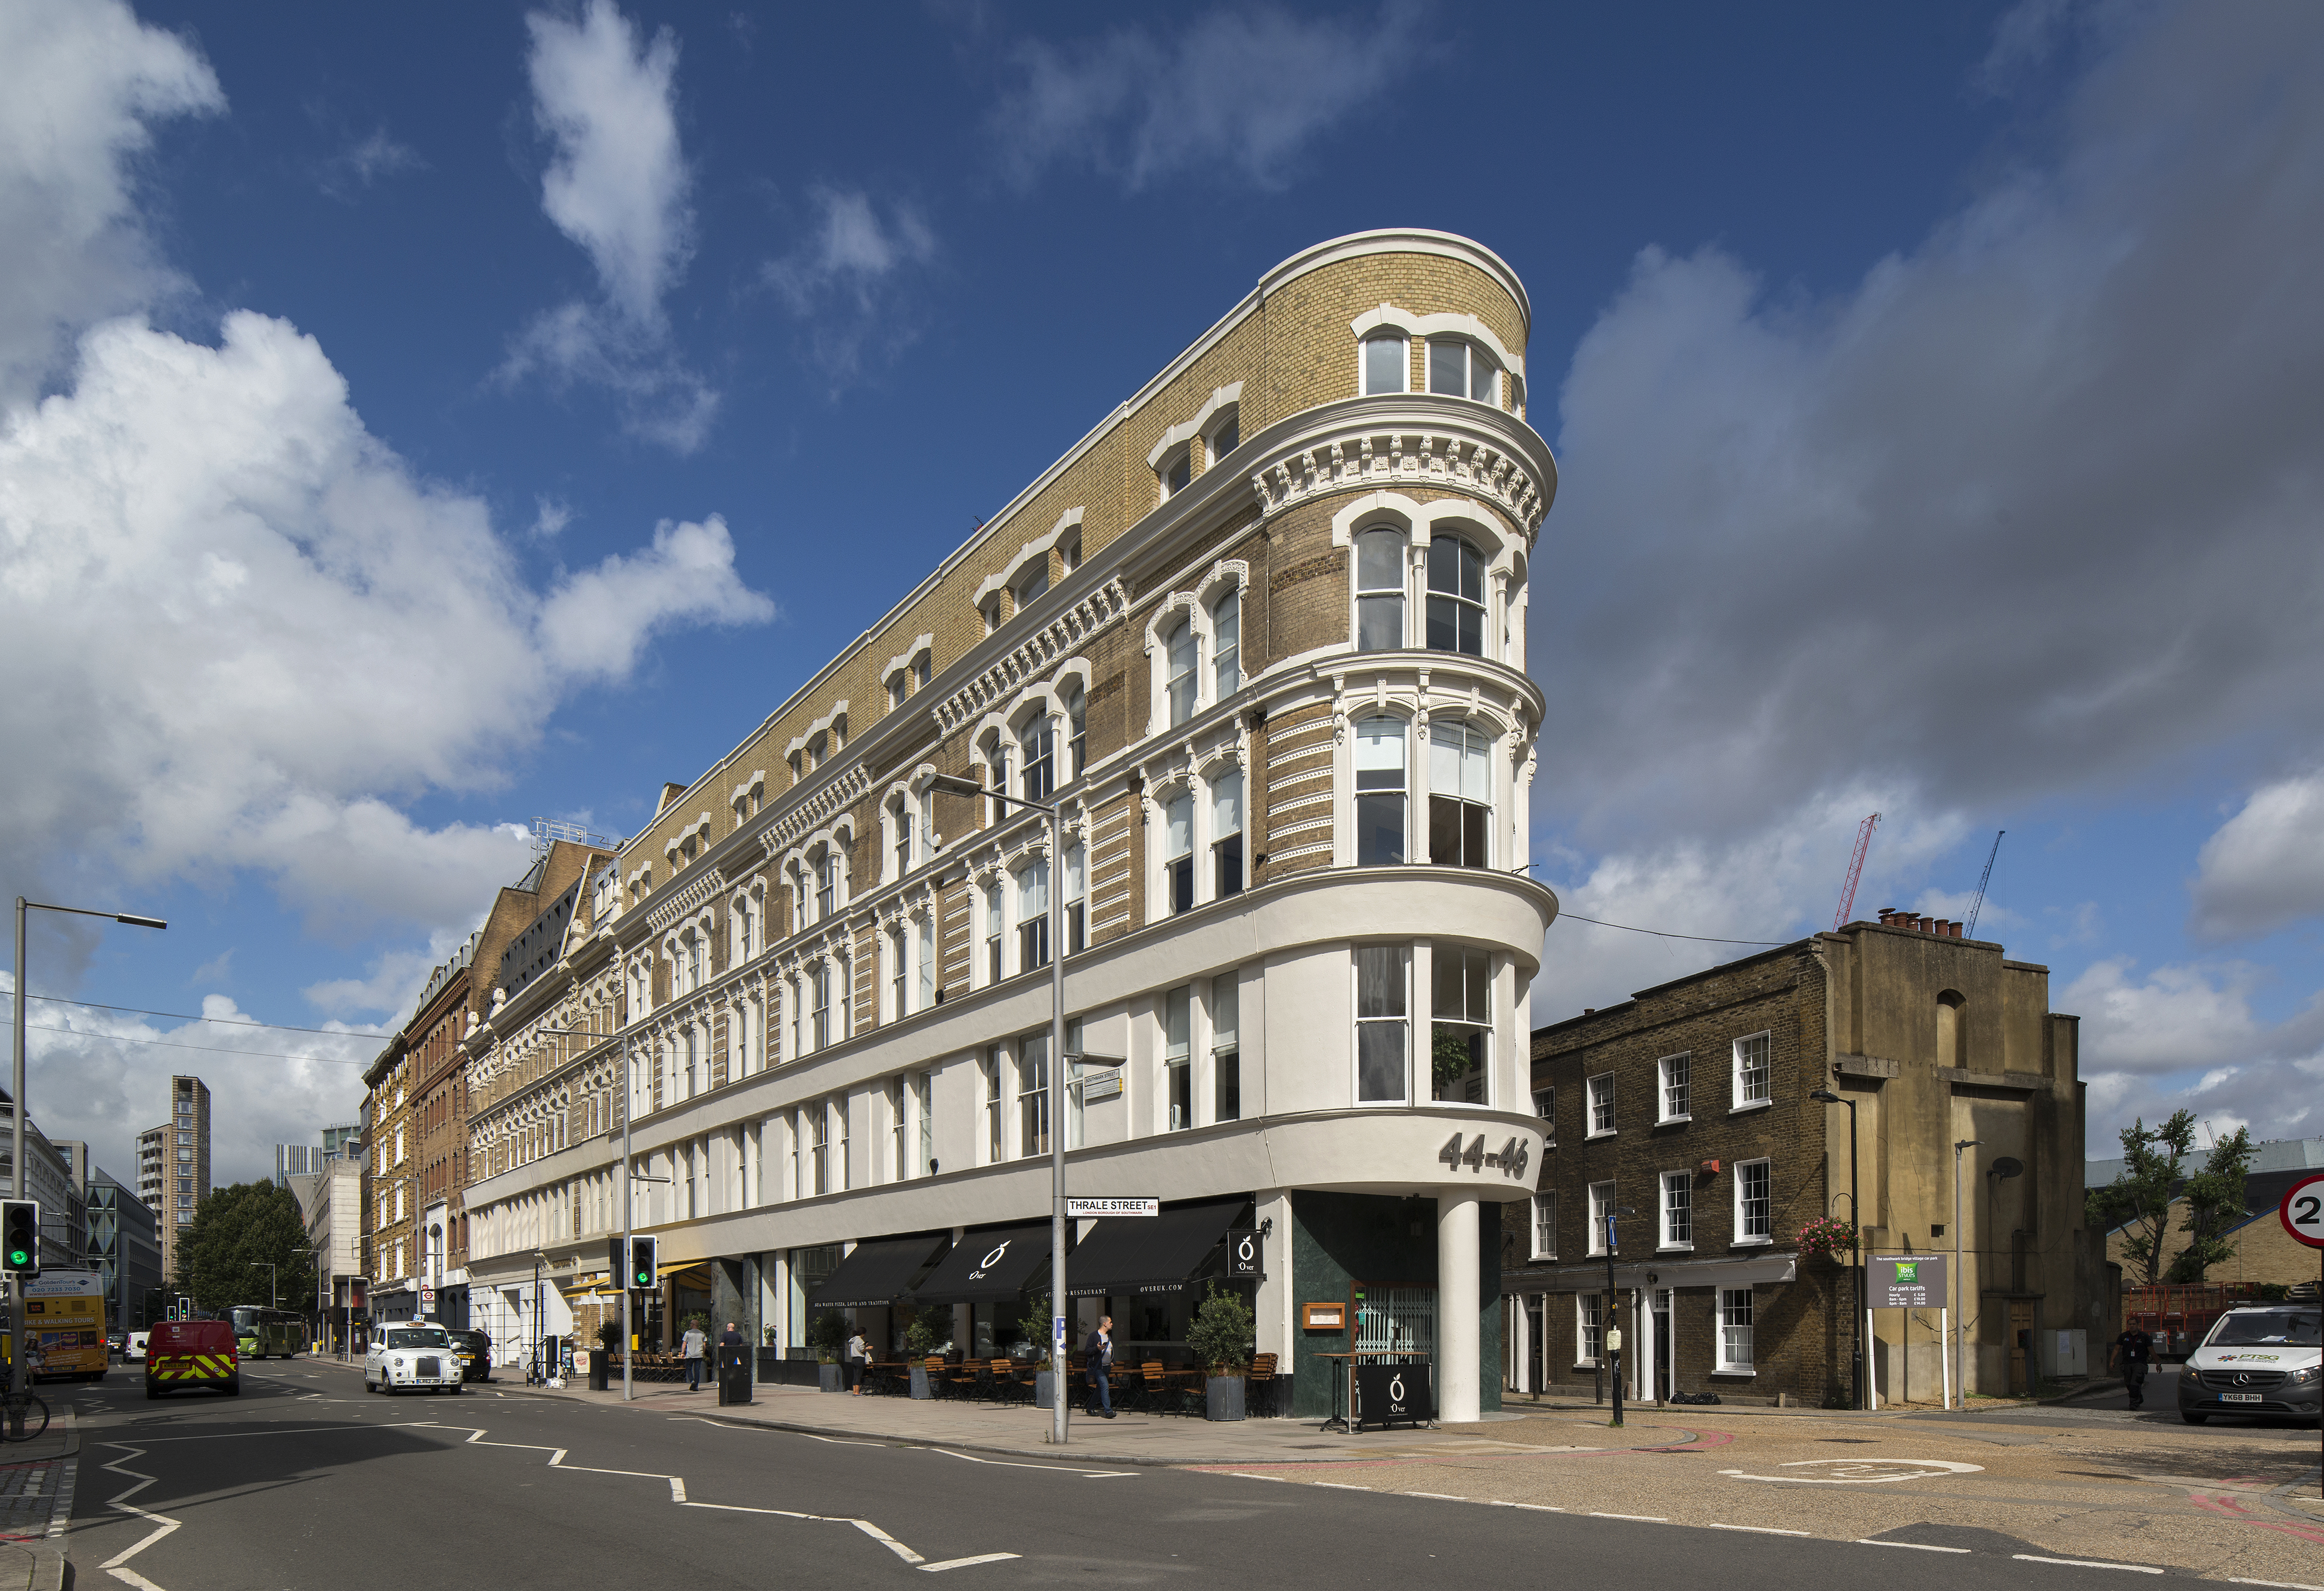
<point>594,623</point>
<point>2263,870</point>
<point>1241,92</point>
<point>843,280</point>
<point>2030,510</point>
<point>617,185</point>
<point>79,85</point>
<point>367,161</point>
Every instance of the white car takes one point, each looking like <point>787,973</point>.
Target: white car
<point>415,1355</point>
<point>135,1353</point>
<point>2258,1359</point>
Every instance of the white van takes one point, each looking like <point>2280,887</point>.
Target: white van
<point>136,1352</point>
<point>2257,1359</point>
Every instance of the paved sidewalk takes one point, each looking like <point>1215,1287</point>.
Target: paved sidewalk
<point>36,1496</point>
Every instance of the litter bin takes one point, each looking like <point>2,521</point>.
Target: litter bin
<point>733,1375</point>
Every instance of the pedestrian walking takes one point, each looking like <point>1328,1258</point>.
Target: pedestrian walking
<point>1097,1362</point>
<point>692,1346</point>
<point>859,1353</point>
<point>2131,1352</point>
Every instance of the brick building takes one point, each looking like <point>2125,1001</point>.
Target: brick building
<point>1688,1105</point>
<point>1261,633</point>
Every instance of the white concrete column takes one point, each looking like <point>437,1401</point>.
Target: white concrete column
<point>1275,1328</point>
<point>1457,1366</point>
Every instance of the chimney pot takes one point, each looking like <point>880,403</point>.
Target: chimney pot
<point>1928,924</point>
<point>1886,913</point>
<point>1953,929</point>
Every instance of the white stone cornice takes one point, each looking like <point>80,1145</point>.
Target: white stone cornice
<point>836,796</point>
<point>1034,654</point>
<point>1368,444</point>
<point>696,892</point>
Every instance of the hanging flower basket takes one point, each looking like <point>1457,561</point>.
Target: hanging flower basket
<point>1827,1238</point>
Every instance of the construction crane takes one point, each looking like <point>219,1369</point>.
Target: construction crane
<point>1983,880</point>
<point>1855,872</point>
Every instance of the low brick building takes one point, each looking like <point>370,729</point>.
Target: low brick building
<point>1687,1106</point>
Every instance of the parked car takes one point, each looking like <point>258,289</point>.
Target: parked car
<point>135,1352</point>
<point>2260,1359</point>
<point>474,1350</point>
<point>404,1358</point>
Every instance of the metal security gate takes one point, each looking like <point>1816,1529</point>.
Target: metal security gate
<point>1395,1319</point>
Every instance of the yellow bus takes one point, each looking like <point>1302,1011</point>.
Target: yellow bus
<point>64,1320</point>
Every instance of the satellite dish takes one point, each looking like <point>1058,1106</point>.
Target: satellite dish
<point>2005,1167</point>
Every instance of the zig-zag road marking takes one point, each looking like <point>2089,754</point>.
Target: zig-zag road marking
<point>116,1566</point>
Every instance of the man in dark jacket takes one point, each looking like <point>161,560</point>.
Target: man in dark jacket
<point>1097,1361</point>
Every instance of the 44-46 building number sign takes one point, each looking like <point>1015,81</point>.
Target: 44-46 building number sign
<point>1510,1159</point>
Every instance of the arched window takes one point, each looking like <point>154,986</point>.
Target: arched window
<point>694,1078</point>
<point>1380,792</point>
<point>1226,644</point>
<point>1952,1043</point>
<point>1460,793</point>
<point>692,961</point>
<point>1380,590</point>
<point>826,883</point>
<point>1183,650</point>
<point>822,977</point>
<point>1179,852</point>
<point>1456,597</point>
<point>1387,367</point>
<point>1039,742</point>
<point>899,828</point>
<point>1077,724</point>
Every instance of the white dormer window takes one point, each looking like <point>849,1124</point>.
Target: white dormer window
<point>1069,554</point>
<point>1387,367</point>
<point>1035,583</point>
<point>1177,470</point>
<point>991,612</point>
<point>897,689</point>
<point>923,670</point>
<point>1224,437</point>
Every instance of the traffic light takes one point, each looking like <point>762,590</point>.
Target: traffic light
<point>642,1268</point>
<point>20,1236</point>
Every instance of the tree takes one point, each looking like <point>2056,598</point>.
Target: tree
<point>2140,1198</point>
<point>238,1232</point>
<point>2215,1205</point>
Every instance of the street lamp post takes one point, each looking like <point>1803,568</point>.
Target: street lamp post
<point>1824,1096</point>
<point>1960,1281</point>
<point>953,785</point>
<point>1613,1329</point>
<point>16,1380</point>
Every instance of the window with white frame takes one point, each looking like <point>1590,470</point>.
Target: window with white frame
<point>1177,1057</point>
<point>1678,1210</point>
<point>818,1127</point>
<point>1458,368</point>
<point>1224,437</point>
<point>1381,801</point>
<point>899,976</point>
<point>1033,585</point>
<point>1033,1093</point>
<point>694,1080</point>
<point>898,689</point>
<point>1460,793</point>
<point>1754,1071</point>
<point>900,833</point>
<point>1039,742</point>
<point>693,962</point>
<point>1456,596</point>
<point>1176,471</point>
<point>1226,645</point>
<point>1588,1328</point>
<point>927,961</point>
<point>1734,1328</point>
<point>1601,1206</point>
<point>1077,725</point>
<point>820,975</point>
<point>827,882</point>
<point>1461,1023</point>
<point>1182,651</point>
<point>899,1164</point>
<point>1383,1024</point>
<point>990,1068</point>
<point>1033,915</point>
<point>1076,899</point>
<point>1179,852</point>
<point>1602,1105</point>
<point>1755,1201</point>
<point>1380,590</point>
<point>791,998</point>
<point>1545,1106</point>
<point>923,1100</point>
<point>923,670</point>
<point>1545,1225</point>
<point>1226,1048</point>
<point>1671,1092</point>
<point>843,1171</point>
<point>996,760</point>
<point>990,612</point>
<point>993,942</point>
<point>1388,368</point>
<point>1226,834</point>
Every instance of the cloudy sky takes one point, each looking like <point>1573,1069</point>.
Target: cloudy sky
<point>413,423</point>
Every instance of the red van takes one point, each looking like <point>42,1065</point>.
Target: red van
<point>192,1353</point>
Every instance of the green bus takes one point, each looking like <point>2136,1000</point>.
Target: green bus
<point>259,1331</point>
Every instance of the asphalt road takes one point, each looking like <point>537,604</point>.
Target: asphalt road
<point>308,1481</point>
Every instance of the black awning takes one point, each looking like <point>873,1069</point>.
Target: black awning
<point>1129,1255</point>
<point>876,1273</point>
<point>989,1268</point>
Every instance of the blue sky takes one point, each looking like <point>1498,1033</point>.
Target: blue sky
<point>419,422</point>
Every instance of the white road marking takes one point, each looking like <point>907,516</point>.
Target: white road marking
<point>1440,1496</point>
<point>2136,1568</point>
<point>954,1563</point>
<point>1899,1469</point>
<point>1539,1507</point>
<point>60,1509</point>
<point>1240,1474</point>
<point>887,1541</point>
<point>1343,1487</point>
<point>1759,1530</point>
<point>1915,1546</point>
<point>2278,1584</point>
<point>1054,1469</point>
<point>1641,1518</point>
<point>116,1566</point>
<point>834,1441</point>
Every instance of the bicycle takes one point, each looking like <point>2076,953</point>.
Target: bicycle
<point>35,1412</point>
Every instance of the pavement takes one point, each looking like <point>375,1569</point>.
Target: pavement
<point>306,1480</point>
<point>37,1483</point>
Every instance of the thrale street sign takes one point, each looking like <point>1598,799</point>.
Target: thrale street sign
<point>1085,1208</point>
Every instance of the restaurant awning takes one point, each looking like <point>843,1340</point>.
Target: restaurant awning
<point>876,1273</point>
<point>1125,1255</point>
<point>989,1268</point>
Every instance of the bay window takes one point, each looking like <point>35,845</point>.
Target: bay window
<point>1386,366</point>
<point>1383,1022</point>
<point>1456,597</point>
<point>1380,590</point>
<point>1461,1023</point>
<point>1460,793</point>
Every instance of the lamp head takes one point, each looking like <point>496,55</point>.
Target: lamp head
<point>1824,1096</point>
<point>953,785</point>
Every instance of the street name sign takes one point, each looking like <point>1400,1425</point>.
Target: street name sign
<point>1087,1208</point>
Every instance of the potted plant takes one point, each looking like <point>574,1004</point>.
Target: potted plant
<point>1828,1238</point>
<point>919,1342</point>
<point>1035,1329</point>
<point>601,1363</point>
<point>828,1337</point>
<point>1223,1335</point>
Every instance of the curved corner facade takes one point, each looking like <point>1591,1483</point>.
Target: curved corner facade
<point>1260,634</point>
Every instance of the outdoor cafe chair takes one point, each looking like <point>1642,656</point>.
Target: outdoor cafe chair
<point>1262,1384</point>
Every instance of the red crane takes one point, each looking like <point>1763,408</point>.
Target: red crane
<point>1855,872</point>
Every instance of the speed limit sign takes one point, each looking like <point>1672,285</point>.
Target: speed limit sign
<point>2302,1211</point>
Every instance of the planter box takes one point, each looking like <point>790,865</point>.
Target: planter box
<point>920,1388</point>
<point>1223,1397</point>
<point>827,1377</point>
